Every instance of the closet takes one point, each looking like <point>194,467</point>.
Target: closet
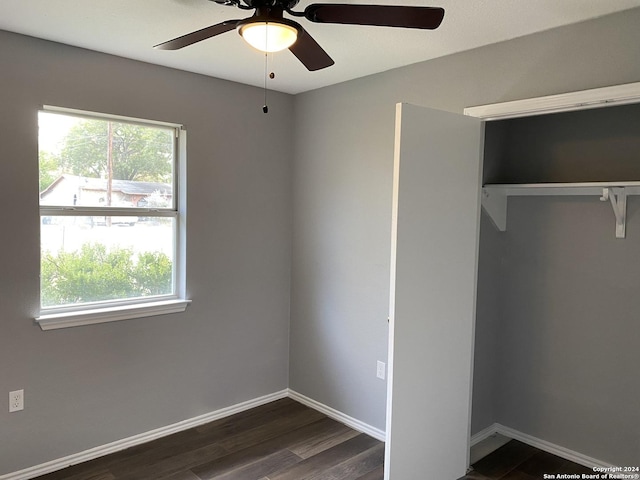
<point>558,177</point>
<point>564,262</point>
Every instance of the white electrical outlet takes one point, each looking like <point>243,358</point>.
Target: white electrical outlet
<point>16,401</point>
<point>381,370</point>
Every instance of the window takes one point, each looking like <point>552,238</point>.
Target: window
<point>111,227</point>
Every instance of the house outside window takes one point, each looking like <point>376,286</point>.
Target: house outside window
<point>111,222</point>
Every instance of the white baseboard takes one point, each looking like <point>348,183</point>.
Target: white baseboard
<point>484,434</point>
<point>543,445</point>
<point>339,416</point>
<point>552,448</point>
<point>485,443</point>
<point>125,443</point>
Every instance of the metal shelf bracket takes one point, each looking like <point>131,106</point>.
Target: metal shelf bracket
<point>618,199</point>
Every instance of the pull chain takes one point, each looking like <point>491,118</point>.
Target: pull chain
<point>265,107</point>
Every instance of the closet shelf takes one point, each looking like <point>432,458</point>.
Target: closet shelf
<point>494,197</point>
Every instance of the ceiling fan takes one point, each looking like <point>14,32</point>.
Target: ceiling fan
<point>268,30</point>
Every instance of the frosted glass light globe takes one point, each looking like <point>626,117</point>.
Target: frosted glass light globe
<point>269,36</point>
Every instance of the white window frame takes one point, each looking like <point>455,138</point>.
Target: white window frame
<point>110,311</point>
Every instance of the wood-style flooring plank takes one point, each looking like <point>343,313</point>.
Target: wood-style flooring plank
<point>541,463</point>
<point>80,472</point>
<point>571,467</point>
<point>375,474</point>
<point>270,429</point>
<point>319,443</point>
<point>249,418</point>
<point>172,465</point>
<point>94,476</point>
<point>518,475</point>
<point>473,475</point>
<point>187,475</point>
<point>211,470</point>
<point>164,453</point>
<point>355,467</point>
<point>504,459</point>
<point>174,443</point>
<point>263,467</point>
<point>327,459</point>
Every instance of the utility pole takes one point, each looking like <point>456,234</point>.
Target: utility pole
<point>109,167</point>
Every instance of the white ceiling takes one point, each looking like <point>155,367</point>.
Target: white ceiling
<point>129,28</point>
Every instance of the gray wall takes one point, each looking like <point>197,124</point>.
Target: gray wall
<point>569,339</point>
<point>90,385</point>
<point>489,314</point>
<point>599,144</point>
<point>342,216</point>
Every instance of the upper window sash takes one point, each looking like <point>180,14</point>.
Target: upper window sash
<point>107,116</point>
<point>91,182</point>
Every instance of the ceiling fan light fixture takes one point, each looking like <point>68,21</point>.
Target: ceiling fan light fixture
<point>269,36</point>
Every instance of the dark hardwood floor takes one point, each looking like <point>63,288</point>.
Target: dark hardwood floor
<point>285,440</point>
<point>282,440</point>
<point>518,461</point>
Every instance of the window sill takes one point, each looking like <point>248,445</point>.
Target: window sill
<point>110,314</point>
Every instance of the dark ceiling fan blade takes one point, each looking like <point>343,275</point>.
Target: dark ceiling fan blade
<point>198,36</point>
<point>309,52</point>
<point>380,15</point>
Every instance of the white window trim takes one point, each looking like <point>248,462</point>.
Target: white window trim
<point>110,314</point>
<point>66,317</point>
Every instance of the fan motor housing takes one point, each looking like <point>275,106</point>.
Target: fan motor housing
<point>284,4</point>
